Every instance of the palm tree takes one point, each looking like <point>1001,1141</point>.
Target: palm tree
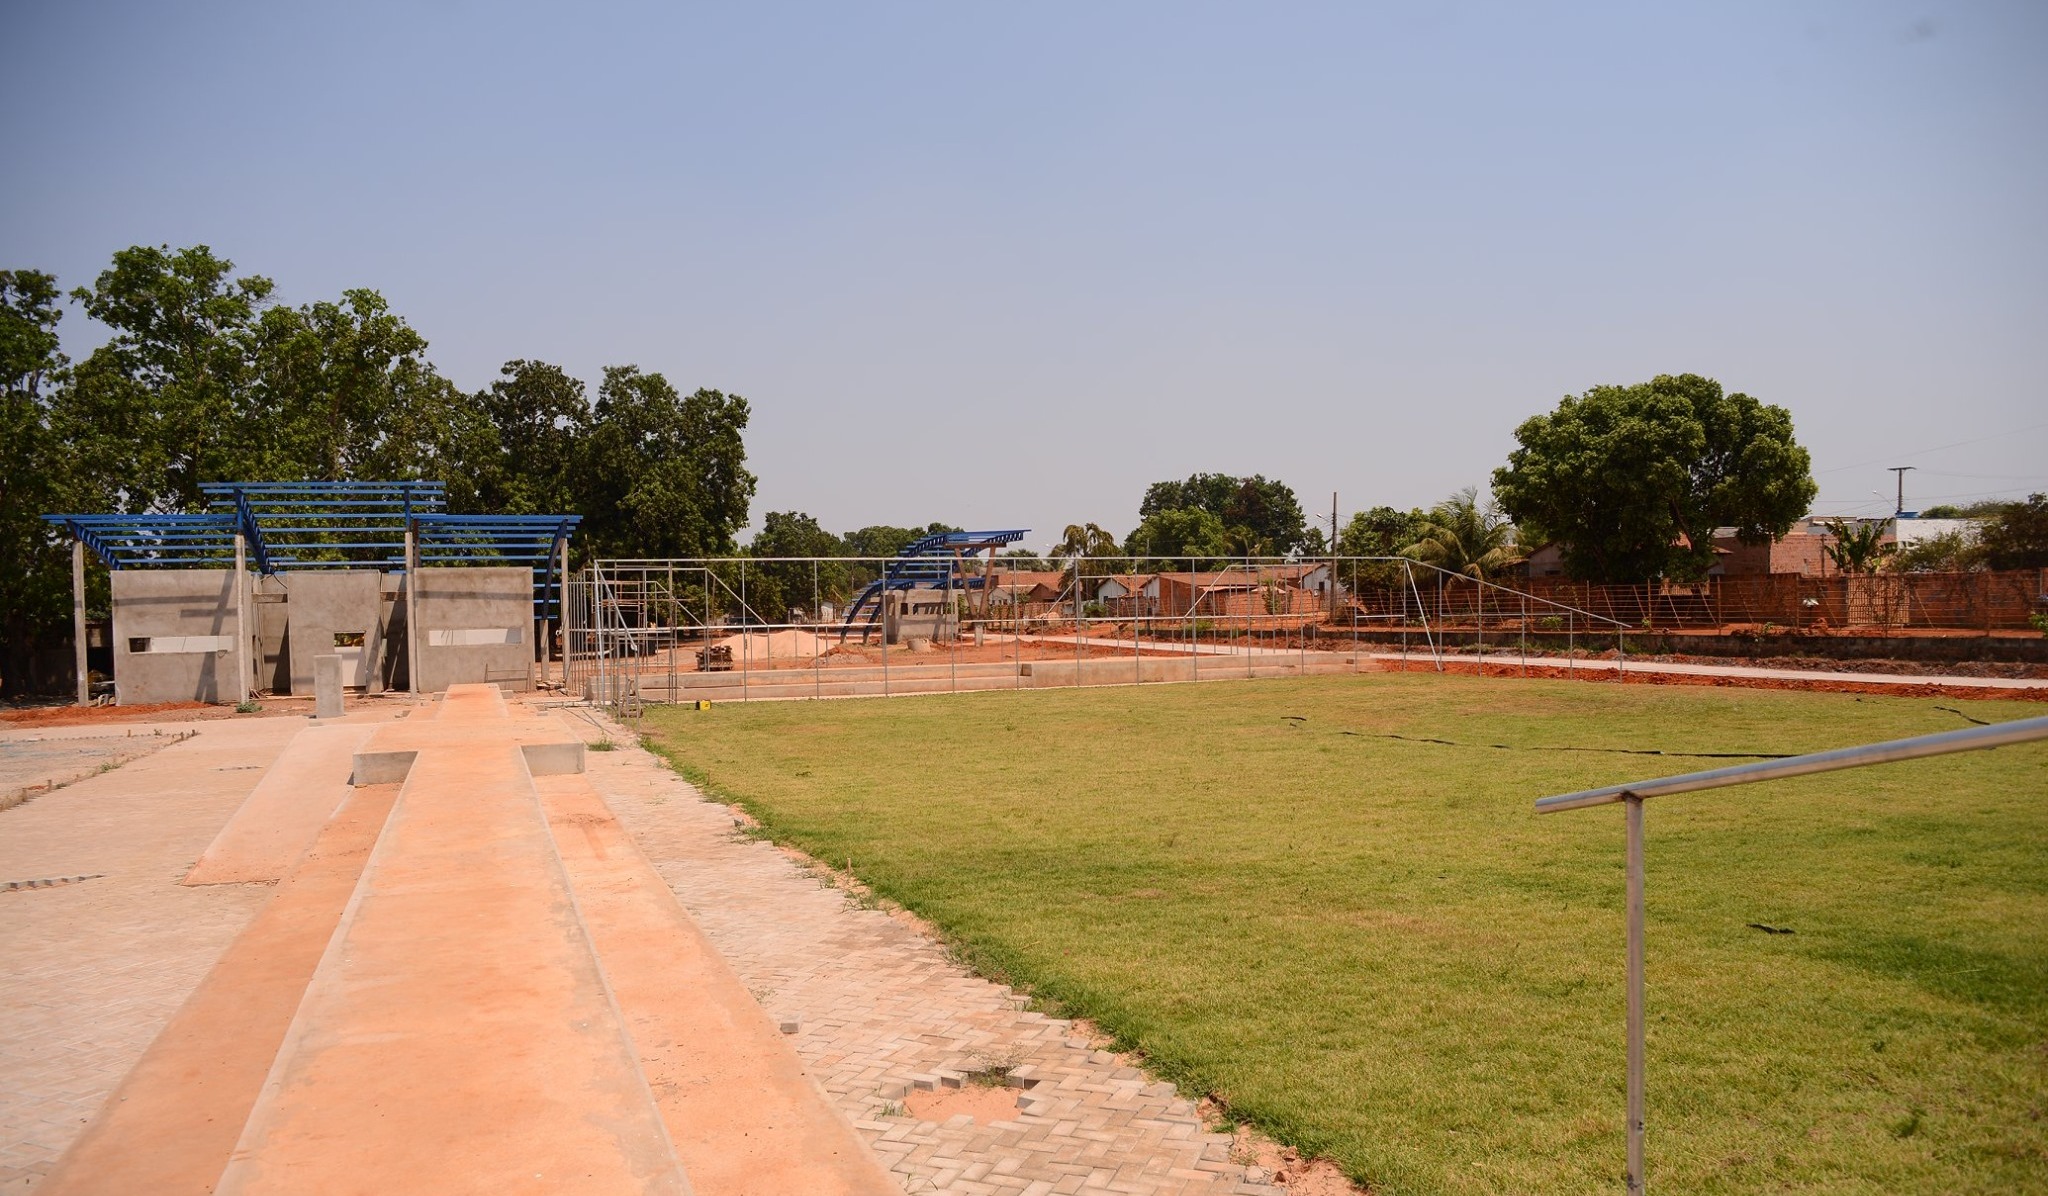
<point>1083,540</point>
<point>1462,537</point>
<point>1858,546</point>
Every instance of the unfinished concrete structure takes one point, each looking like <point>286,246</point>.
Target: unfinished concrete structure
<point>242,599</point>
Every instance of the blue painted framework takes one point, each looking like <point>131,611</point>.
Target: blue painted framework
<point>330,525</point>
<point>928,562</point>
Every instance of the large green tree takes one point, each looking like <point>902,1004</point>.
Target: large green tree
<point>37,475</point>
<point>166,403</point>
<point>663,474</point>
<point>538,417</point>
<point>882,540</point>
<point>205,380</point>
<point>1262,515</point>
<point>1632,481</point>
<point>1380,532</point>
<point>1178,537</point>
<point>342,390</point>
<point>778,588</point>
<point>2017,536</point>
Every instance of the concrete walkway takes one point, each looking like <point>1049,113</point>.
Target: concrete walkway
<point>95,968</point>
<point>456,984</point>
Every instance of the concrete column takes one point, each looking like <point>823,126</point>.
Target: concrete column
<point>78,621</point>
<point>327,686</point>
<point>562,610</point>
<point>243,669</point>
<point>412,613</point>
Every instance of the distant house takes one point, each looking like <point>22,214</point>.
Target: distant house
<point>1021,586</point>
<point>1265,589</point>
<point>1128,585</point>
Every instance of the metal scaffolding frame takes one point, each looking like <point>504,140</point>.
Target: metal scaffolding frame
<point>634,629</point>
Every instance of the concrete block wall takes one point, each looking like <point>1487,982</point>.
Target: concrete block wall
<point>475,626</point>
<point>174,635</point>
<point>326,608</point>
<point>174,631</point>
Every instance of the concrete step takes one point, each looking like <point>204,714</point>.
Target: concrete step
<point>458,1034</point>
<point>171,1124</point>
<point>744,1116</point>
<point>301,790</point>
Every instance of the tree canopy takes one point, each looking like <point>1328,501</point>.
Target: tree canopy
<point>881,540</point>
<point>663,474</point>
<point>2017,536</point>
<point>1259,516</point>
<point>1632,481</point>
<point>777,589</point>
<point>1179,534</point>
<point>36,475</point>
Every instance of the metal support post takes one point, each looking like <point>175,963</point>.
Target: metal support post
<point>1635,995</point>
<point>78,621</point>
<point>562,610</point>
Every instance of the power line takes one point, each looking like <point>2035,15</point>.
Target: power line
<point>1937,448</point>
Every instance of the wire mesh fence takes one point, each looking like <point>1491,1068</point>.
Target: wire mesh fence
<point>640,631</point>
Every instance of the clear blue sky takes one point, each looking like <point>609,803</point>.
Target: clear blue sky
<point>1003,265</point>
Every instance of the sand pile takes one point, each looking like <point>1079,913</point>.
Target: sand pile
<point>792,644</point>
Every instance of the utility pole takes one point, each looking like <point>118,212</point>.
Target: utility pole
<point>1900,471</point>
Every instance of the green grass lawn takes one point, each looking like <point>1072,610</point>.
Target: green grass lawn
<point>1373,949</point>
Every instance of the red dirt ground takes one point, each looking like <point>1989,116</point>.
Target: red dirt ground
<point>154,712</point>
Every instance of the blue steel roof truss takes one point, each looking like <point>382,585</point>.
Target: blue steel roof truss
<point>329,525</point>
<point>326,525</point>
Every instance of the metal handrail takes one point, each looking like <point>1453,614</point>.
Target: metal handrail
<point>1633,795</point>
<point>1940,744</point>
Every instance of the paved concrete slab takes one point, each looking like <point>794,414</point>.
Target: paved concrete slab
<point>458,1034</point>
<point>90,972</point>
<point>173,1121</point>
<point>300,791</point>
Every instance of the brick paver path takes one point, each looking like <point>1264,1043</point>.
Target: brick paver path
<point>879,1008</point>
<point>94,969</point>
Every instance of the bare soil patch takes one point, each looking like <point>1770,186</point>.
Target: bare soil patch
<point>984,1103</point>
